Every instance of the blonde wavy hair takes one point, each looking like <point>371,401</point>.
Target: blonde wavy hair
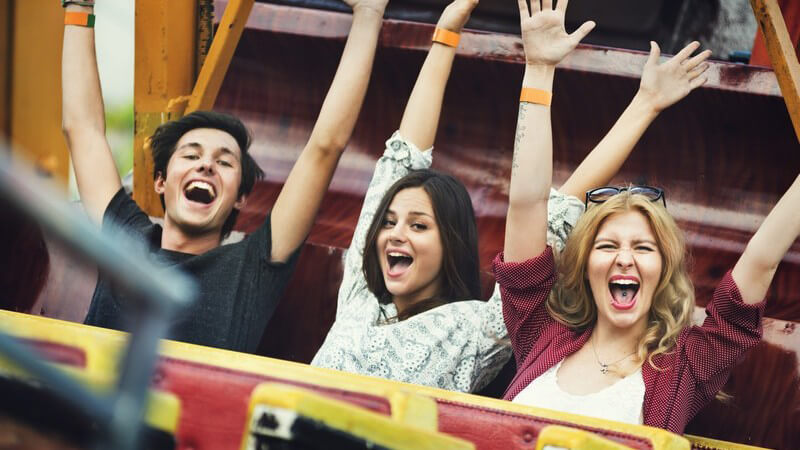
<point>673,300</point>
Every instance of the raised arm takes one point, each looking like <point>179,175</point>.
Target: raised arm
<point>662,85</point>
<point>83,119</point>
<point>546,43</point>
<point>299,200</point>
<point>421,116</point>
<point>754,271</point>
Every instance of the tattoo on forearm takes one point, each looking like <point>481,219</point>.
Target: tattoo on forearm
<point>523,109</point>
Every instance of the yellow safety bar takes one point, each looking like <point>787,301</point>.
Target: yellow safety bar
<point>283,403</point>
<point>574,439</point>
<point>103,346</point>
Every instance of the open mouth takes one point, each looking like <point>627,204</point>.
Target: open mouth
<point>398,263</point>
<point>623,293</point>
<point>200,192</point>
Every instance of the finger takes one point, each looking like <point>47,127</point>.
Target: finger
<point>562,5</point>
<point>523,8</point>
<point>698,71</point>
<point>582,31</point>
<point>695,60</point>
<point>686,52</point>
<point>547,5</point>
<point>697,82</point>
<point>655,53</point>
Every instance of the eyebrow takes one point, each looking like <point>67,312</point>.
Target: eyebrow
<point>192,145</point>
<point>635,241</point>
<point>412,213</point>
<point>196,145</point>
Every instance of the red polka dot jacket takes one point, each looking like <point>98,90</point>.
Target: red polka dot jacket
<point>694,372</point>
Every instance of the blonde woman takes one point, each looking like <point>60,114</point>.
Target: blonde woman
<point>615,340</point>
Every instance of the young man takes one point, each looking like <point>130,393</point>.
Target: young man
<point>203,174</point>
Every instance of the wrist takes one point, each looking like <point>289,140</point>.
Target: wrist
<point>645,103</point>
<point>450,27</point>
<point>539,76</point>
<point>78,8</point>
<point>368,11</point>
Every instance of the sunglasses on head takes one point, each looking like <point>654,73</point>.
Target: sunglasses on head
<point>602,194</point>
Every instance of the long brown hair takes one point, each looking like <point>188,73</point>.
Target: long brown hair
<point>455,219</point>
<point>671,311</point>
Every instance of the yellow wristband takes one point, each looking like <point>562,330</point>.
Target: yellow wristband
<point>446,37</point>
<point>538,96</point>
<point>79,18</point>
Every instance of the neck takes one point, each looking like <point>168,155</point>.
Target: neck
<point>616,341</point>
<point>175,239</point>
<point>402,303</point>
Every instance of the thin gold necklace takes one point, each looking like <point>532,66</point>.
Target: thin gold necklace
<point>604,367</point>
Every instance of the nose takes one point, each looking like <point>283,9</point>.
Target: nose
<point>624,258</point>
<point>205,165</point>
<point>396,233</point>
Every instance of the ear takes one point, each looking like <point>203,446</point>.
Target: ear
<point>240,202</point>
<point>159,183</point>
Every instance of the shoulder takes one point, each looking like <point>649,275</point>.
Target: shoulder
<point>123,210</point>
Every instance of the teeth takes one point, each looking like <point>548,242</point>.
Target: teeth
<point>625,282</point>
<point>202,185</point>
<point>398,254</point>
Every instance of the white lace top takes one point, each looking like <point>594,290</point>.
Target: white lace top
<point>457,346</point>
<point>622,401</point>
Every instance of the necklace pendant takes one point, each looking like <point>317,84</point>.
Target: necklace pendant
<point>604,369</point>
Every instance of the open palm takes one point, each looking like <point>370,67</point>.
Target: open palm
<point>544,37</point>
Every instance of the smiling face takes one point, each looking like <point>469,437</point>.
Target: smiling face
<point>624,270</point>
<point>409,248</point>
<point>201,187</point>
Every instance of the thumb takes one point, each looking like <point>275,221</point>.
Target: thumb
<point>582,31</point>
<point>655,53</point>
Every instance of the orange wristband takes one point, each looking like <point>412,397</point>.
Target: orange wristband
<point>446,37</point>
<point>79,18</point>
<point>538,96</point>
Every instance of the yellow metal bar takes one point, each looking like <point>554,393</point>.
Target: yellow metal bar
<point>5,65</point>
<point>68,333</point>
<point>700,442</point>
<point>35,98</point>
<point>164,70</point>
<point>205,30</point>
<point>219,56</point>
<point>273,398</point>
<point>555,436</point>
<point>781,54</point>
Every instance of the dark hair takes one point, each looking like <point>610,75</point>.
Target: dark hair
<point>165,139</point>
<point>456,221</point>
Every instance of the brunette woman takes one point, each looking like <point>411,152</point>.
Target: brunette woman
<point>408,307</point>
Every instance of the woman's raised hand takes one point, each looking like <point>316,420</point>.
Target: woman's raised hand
<point>665,84</point>
<point>456,14</point>
<point>544,37</point>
